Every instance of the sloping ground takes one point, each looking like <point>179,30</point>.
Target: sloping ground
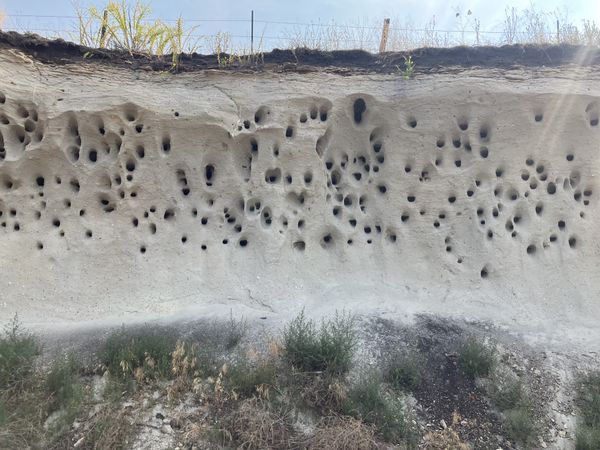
<point>128,195</point>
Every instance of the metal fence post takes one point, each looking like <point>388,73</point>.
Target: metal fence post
<point>252,33</point>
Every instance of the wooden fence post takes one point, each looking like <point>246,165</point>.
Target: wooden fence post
<point>103,29</point>
<point>384,35</point>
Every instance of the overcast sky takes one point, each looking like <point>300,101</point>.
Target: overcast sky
<point>419,12</point>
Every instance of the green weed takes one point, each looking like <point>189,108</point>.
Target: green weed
<point>328,348</point>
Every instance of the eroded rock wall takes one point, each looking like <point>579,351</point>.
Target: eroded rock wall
<point>125,196</point>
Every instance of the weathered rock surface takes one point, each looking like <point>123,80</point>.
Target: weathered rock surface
<point>128,195</point>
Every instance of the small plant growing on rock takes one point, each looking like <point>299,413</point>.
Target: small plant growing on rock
<point>409,68</point>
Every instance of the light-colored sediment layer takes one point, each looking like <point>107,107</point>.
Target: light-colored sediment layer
<point>132,195</point>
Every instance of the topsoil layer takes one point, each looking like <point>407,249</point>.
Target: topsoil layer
<point>426,59</point>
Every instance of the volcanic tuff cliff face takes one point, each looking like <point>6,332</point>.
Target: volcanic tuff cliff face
<point>128,194</point>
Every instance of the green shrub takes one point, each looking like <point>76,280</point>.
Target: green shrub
<point>520,426</point>
<point>587,399</point>
<point>506,392</point>
<point>476,359</point>
<point>145,351</point>
<point>328,348</point>
<point>18,352</point>
<point>369,402</point>
<point>405,371</point>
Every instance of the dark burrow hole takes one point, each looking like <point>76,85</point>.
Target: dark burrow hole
<point>166,144</point>
<point>209,172</point>
<point>299,245</point>
<point>359,108</point>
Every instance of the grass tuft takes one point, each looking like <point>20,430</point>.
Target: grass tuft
<point>328,348</point>
<point>248,379</point>
<point>476,359</point>
<point>143,353</point>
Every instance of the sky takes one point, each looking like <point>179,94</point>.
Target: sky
<point>357,12</point>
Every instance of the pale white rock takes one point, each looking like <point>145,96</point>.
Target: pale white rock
<point>468,195</point>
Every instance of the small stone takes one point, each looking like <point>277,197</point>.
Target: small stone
<point>166,429</point>
<point>443,424</point>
